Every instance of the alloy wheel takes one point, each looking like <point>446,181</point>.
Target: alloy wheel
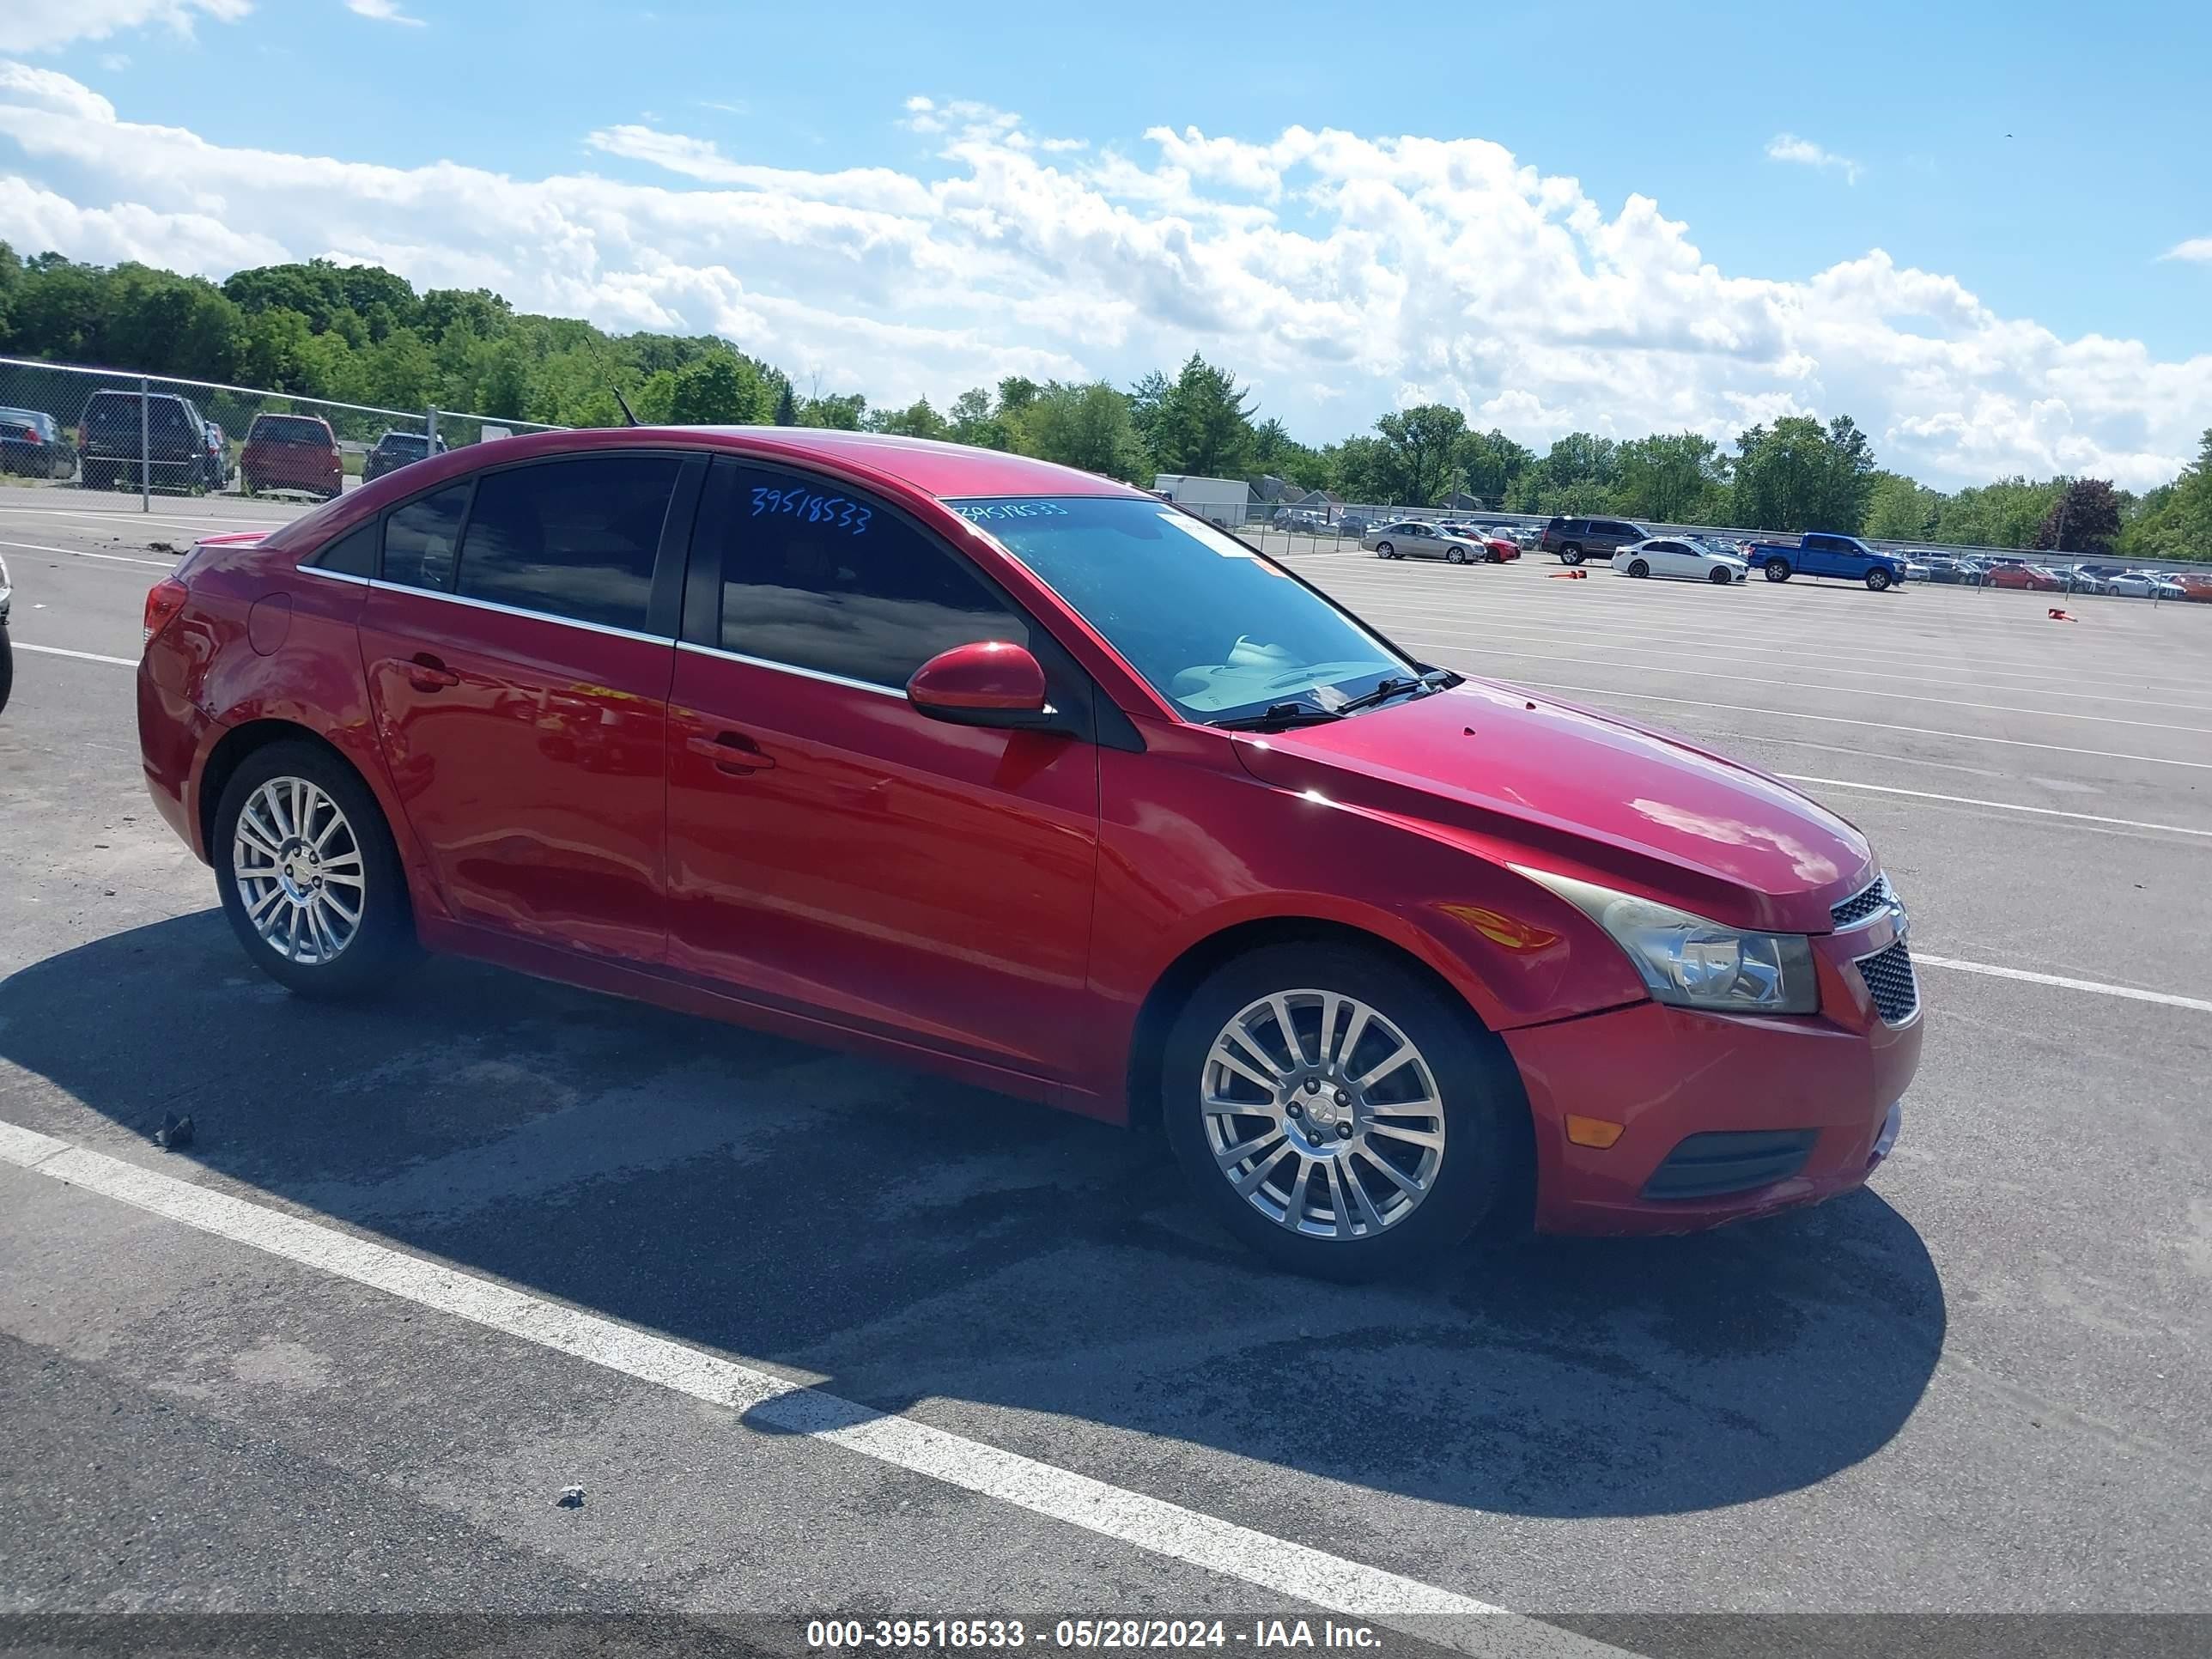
<point>299,871</point>
<point>1323,1114</point>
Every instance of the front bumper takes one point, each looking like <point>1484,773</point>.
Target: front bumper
<point>1819,1096</point>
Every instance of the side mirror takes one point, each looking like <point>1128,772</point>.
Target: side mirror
<point>990,683</point>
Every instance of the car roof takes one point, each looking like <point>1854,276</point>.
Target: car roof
<point>947,470</point>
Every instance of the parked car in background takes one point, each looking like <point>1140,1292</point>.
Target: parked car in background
<point>31,445</point>
<point>396,449</point>
<point>1684,557</point>
<point>1915,570</point>
<point>2103,573</point>
<point>120,442</point>
<point>2146,585</point>
<point>1526,536</point>
<point>2194,585</point>
<point>2032,577</point>
<point>291,452</point>
<point>1354,524</point>
<point>219,456</point>
<point>1576,539</point>
<point>1496,549</point>
<point>1823,553</point>
<point>1960,572</point>
<point>1410,538</point>
<point>1056,821</point>
<point>2080,580</point>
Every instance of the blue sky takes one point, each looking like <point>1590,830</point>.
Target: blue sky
<point>1897,117</point>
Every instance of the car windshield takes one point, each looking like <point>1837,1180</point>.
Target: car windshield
<point>1213,626</point>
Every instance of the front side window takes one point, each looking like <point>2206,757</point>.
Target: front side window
<point>815,577</point>
<point>1211,626</point>
<point>420,538</point>
<point>574,538</point>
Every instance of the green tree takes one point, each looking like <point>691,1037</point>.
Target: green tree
<point>1361,469</point>
<point>721,389</point>
<point>1488,462</point>
<point>916,420</point>
<point>2084,519</point>
<point>845,412</point>
<point>1087,427</point>
<point>1899,510</point>
<point>786,406</point>
<point>1204,424</point>
<point>1672,477</point>
<point>2174,521</point>
<point>973,422</point>
<point>2005,513</point>
<point>1799,476</point>
<point>1421,443</point>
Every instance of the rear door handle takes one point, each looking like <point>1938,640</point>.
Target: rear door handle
<point>732,752</point>
<point>426,673</point>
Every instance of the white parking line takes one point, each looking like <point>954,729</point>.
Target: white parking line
<point>2001,805</point>
<point>1840,720</point>
<point>79,553</point>
<point>81,656</point>
<point>2065,984</point>
<point>1276,1564</point>
<point>126,517</point>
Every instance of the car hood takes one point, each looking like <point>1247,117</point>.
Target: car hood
<point>1529,778</point>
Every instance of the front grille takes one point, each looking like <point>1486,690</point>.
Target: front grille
<point>1888,975</point>
<point>1862,904</point>
<point>1730,1161</point>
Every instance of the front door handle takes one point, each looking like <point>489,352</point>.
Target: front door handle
<point>732,752</point>
<point>426,673</point>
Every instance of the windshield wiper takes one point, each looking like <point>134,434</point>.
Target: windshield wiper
<point>1280,716</point>
<point>1435,680</point>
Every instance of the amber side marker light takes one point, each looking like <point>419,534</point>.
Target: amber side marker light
<point>1592,1131</point>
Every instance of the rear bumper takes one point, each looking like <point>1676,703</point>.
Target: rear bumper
<point>1797,1109</point>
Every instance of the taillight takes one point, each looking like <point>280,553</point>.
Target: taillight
<point>163,601</point>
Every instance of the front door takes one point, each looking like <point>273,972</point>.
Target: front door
<point>831,848</point>
<point>517,662</point>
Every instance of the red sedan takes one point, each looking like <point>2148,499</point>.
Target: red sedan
<point>981,763</point>
<point>2032,577</point>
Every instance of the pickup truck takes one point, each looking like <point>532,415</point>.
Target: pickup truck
<point>1817,553</point>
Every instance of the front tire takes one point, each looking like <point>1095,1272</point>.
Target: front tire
<point>1720,578</point>
<point>1877,579</point>
<point>1777,570</point>
<point>1372,1131</point>
<point>310,879</point>
<point>1453,555</point>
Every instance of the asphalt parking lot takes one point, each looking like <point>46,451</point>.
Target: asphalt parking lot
<point>1977,1386</point>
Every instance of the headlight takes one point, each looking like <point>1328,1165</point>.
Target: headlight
<point>1694,963</point>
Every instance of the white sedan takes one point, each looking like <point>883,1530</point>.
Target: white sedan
<point>1410,539</point>
<point>2143,584</point>
<point>1682,556</point>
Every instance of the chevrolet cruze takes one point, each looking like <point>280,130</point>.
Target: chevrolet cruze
<point>976,762</point>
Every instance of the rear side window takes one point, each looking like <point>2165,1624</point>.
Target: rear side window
<point>288,429</point>
<point>350,555</point>
<point>420,538</point>
<point>815,577</point>
<point>571,538</point>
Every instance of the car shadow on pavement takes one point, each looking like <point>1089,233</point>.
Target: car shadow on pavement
<point>910,1240</point>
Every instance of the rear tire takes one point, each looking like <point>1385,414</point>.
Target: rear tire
<point>1570,555</point>
<point>1777,570</point>
<point>1470,1100</point>
<point>1638,568</point>
<point>1877,579</point>
<point>300,954</point>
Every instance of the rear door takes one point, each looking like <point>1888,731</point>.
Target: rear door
<point>519,640</point>
<point>831,847</point>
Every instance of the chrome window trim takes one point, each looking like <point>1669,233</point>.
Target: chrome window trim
<point>335,575</point>
<point>823,675</point>
<point>517,611</point>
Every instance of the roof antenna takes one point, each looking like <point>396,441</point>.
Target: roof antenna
<point>628,413</point>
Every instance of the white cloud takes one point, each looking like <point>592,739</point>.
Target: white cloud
<point>33,28</point>
<point>382,11</point>
<point>2198,250</point>
<point>115,62</point>
<point>1338,274</point>
<point>1788,146</point>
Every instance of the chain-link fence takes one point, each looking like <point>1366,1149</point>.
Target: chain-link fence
<point>68,427</point>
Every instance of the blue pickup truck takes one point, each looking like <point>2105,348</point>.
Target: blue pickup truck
<point>1817,553</point>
